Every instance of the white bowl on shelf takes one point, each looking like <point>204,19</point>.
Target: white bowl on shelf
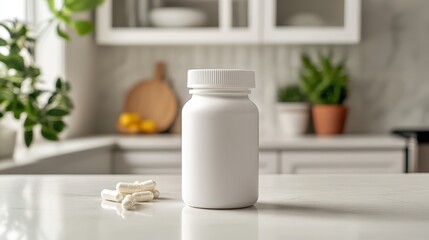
<point>176,17</point>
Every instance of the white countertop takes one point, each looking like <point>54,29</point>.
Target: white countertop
<point>289,207</point>
<point>44,150</point>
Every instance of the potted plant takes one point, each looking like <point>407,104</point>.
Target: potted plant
<point>21,93</point>
<point>325,84</point>
<point>293,110</point>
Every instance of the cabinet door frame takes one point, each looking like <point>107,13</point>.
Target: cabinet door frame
<point>348,34</point>
<point>225,34</point>
<point>342,161</point>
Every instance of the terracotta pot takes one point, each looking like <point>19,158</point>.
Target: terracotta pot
<point>329,119</point>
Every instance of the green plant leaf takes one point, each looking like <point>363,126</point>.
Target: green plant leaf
<point>49,134</point>
<point>9,105</point>
<point>16,113</point>
<point>34,94</point>
<point>28,137</point>
<point>62,34</point>
<point>82,27</point>
<point>29,123</point>
<point>30,109</point>
<point>64,17</point>
<point>291,93</point>
<point>33,72</point>
<point>58,126</point>
<point>17,107</point>
<point>13,61</point>
<point>57,112</point>
<point>21,30</point>
<point>81,5</point>
<point>51,6</point>
<point>6,94</point>
<point>52,98</point>
<point>3,42</point>
<point>14,79</point>
<point>59,84</point>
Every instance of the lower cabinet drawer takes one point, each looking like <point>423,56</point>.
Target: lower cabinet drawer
<point>321,162</point>
<point>147,162</point>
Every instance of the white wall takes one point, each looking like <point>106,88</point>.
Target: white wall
<point>80,64</point>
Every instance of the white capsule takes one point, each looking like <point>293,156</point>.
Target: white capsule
<point>136,187</point>
<point>128,202</point>
<point>111,195</point>
<point>155,193</point>
<point>127,187</point>
<point>143,196</point>
<point>148,185</point>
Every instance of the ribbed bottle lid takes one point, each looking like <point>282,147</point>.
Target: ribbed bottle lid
<point>221,78</point>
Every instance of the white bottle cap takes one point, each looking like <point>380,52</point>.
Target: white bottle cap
<point>221,78</point>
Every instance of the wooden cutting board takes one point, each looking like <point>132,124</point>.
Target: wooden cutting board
<point>154,99</point>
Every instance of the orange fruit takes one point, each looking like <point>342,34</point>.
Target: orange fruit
<point>127,118</point>
<point>133,128</point>
<point>147,126</point>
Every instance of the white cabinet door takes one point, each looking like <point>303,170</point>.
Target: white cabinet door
<point>269,162</point>
<point>121,22</point>
<point>321,162</point>
<point>147,162</point>
<point>311,21</point>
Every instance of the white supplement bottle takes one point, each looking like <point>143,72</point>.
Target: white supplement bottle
<point>220,140</point>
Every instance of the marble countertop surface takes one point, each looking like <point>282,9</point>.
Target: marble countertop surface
<point>44,150</point>
<point>289,207</point>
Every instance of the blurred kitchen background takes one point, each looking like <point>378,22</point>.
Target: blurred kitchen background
<point>383,42</point>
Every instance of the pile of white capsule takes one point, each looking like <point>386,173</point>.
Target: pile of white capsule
<point>130,193</point>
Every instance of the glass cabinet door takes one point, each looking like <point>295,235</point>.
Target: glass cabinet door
<point>309,13</point>
<point>312,21</point>
<point>165,13</point>
<point>177,21</point>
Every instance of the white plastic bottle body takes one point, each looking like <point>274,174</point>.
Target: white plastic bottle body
<point>220,149</point>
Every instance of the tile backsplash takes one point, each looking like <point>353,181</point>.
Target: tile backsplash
<point>388,69</point>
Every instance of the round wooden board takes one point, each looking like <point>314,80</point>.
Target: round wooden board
<point>153,99</point>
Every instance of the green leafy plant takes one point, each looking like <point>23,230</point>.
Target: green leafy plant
<point>324,82</point>
<point>291,93</point>
<point>63,16</point>
<point>22,92</point>
<point>19,90</point>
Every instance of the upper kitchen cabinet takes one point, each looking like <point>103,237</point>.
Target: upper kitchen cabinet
<point>154,22</point>
<point>131,22</point>
<point>311,21</point>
